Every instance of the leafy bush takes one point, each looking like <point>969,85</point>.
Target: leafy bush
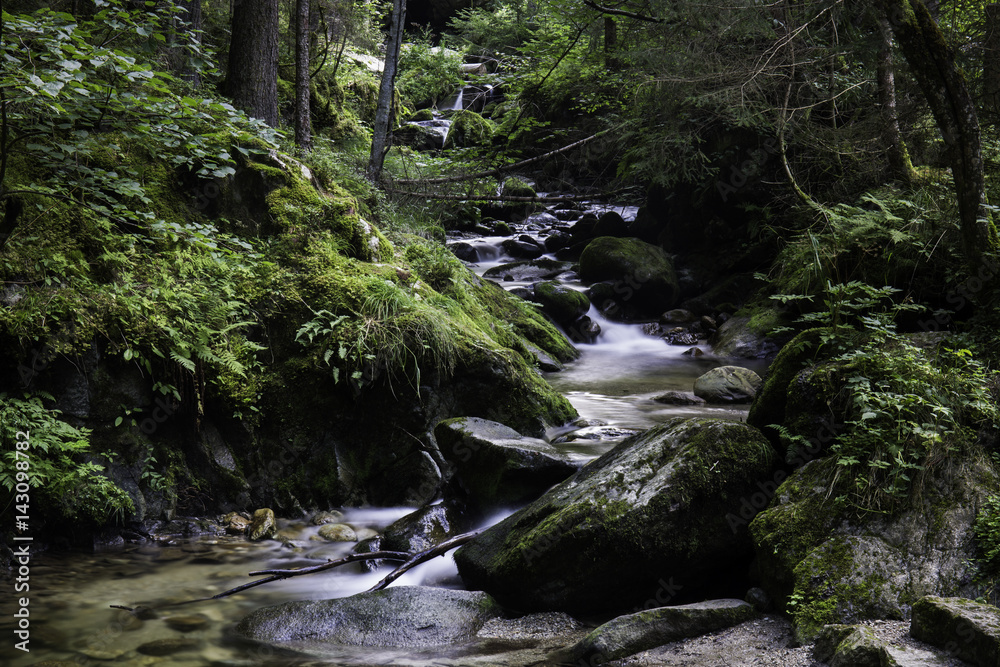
<point>58,466</point>
<point>987,530</point>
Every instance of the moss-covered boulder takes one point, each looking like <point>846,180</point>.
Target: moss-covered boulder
<point>495,466</point>
<point>641,276</point>
<point>825,563</point>
<point>405,616</point>
<point>965,629</point>
<point>632,633</point>
<point>769,404</point>
<point>747,336</point>
<point>603,539</point>
<point>563,304</point>
<point>727,384</point>
<point>849,646</point>
<point>469,129</point>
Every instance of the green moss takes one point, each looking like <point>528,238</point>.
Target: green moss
<point>470,129</point>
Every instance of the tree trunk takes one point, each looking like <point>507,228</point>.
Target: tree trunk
<point>193,18</point>
<point>380,135</point>
<point>252,78</point>
<point>991,65</point>
<point>303,128</point>
<point>899,158</point>
<point>933,65</point>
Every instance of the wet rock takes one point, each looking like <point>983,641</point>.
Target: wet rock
<point>161,647</point>
<point>681,338</point>
<point>187,623</point>
<point>708,323</point>
<point>583,228</point>
<point>99,654</point>
<point>967,629</point>
<point>728,384</point>
<point>611,223</point>
<point>545,362</point>
<point>464,251</point>
<point>557,241</point>
<point>235,523</point>
<point>405,616</point>
<point>641,275</point>
<point>563,304</point>
<point>679,398</point>
<point>584,330</point>
<point>338,532</point>
<point>523,247</point>
<point>496,466</point>
<point>648,503</point>
<point>526,271</point>
<point>423,529</point>
<point>630,634</point>
<point>263,525</point>
<point>693,352</point>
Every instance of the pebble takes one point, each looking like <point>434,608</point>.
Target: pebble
<point>188,623</point>
<point>168,646</point>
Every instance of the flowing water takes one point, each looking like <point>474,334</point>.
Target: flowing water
<point>612,385</point>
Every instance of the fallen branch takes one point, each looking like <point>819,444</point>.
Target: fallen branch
<point>423,556</point>
<point>500,170</point>
<point>277,575</point>
<point>502,198</point>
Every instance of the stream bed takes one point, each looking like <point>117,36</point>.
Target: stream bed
<point>612,385</point>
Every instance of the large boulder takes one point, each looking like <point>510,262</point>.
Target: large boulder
<point>727,384</point>
<point>632,633</point>
<point>603,539</point>
<point>841,567</point>
<point>641,276</point>
<point>405,616</point>
<point>496,466</point>
<point>746,337</point>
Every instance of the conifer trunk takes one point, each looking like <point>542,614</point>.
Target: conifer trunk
<point>303,127</point>
<point>252,76</point>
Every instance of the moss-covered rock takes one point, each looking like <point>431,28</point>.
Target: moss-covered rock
<point>747,336</point>
<point>966,629</point>
<point>727,384</point>
<point>263,525</point>
<point>769,404</point>
<point>825,563</point>
<point>563,304</point>
<point>469,129</point>
<point>658,502</point>
<point>632,633</point>
<point>641,275</point>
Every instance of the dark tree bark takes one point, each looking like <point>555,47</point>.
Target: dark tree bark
<point>381,135</point>
<point>932,61</point>
<point>899,158</point>
<point>252,76</point>
<point>303,128</point>
<point>193,19</point>
<point>991,64</point>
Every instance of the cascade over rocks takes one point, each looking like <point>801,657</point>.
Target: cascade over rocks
<point>495,466</point>
<point>646,516</point>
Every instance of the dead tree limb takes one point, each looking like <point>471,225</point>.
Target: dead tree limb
<point>500,170</point>
<point>423,556</point>
<point>277,575</point>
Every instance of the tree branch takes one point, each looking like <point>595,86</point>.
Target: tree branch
<point>500,170</point>
<point>425,555</point>
<point>621,12</point>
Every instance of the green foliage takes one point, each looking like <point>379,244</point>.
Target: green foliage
<point>392,335</point>
<point>64,478</point>
<point>427,73</point>
<point>987,530</point>
<point>72,82</point>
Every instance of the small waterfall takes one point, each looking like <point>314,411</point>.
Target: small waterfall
<point>456,102</point>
